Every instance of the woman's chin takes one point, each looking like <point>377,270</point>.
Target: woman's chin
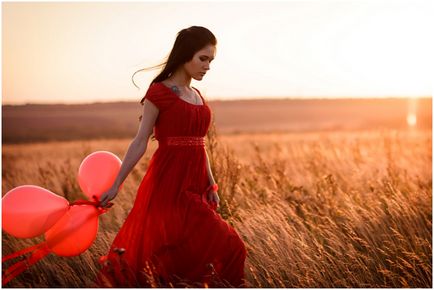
<point>199,77</point>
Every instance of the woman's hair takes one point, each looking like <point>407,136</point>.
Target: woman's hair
<point>187,43</point>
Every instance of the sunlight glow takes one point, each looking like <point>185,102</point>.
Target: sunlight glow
<point>411,120</point>
<point>87,52</point>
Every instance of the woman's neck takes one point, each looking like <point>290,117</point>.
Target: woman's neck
<point>180,78</point>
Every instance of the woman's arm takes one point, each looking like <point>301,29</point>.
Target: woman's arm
<point>212,195</point>
<point>208,168</point>
<point>135,151</point>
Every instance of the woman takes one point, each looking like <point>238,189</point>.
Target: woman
<point>173,233</point>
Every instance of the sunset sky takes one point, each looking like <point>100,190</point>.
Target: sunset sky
<point>63,52</point>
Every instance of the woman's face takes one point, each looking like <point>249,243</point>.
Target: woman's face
<point>199,64</point>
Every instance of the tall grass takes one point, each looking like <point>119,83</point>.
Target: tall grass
<point>315,210</point>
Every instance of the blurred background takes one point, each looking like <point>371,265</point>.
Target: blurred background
<point>360,64</point>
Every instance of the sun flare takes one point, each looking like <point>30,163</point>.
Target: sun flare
<point>411,120</point>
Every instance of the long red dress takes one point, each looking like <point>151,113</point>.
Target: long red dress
<point>172,235</point>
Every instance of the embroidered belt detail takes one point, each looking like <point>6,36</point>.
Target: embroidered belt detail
<point>182,141</point>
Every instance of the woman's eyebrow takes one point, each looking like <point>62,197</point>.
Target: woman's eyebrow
<point>207,56</point>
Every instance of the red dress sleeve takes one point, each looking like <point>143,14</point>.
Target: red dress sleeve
<point>160,96</point>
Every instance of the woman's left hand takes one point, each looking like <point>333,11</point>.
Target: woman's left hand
<point>213,198</point>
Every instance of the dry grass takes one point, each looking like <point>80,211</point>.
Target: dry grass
<point>349,209</point>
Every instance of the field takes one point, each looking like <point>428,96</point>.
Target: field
<point>37,123</point>
<point>316,209</point>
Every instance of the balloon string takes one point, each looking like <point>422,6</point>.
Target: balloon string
<point>13,271</point>
<point>22,252</point>
<point>86,202</point>
<point>94,203</point>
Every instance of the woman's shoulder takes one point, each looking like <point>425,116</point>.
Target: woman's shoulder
<point>162,89</point>
<point>160,95</point>
<point>159,89</point>
<point>156,87</point>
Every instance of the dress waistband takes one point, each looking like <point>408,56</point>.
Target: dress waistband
<point>182,141</point>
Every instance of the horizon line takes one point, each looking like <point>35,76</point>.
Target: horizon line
<point>229,100</point>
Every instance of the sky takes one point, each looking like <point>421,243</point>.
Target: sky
<point>84,52</point>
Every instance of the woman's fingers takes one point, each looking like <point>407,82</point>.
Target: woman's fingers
<point>214,198</point>
<point>210,196</point>
<point>105,203</point>
<point>103,200</point>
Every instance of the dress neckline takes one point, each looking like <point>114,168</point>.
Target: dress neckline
<point>184,101</point>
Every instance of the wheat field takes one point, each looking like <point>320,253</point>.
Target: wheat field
<point>335,209</point>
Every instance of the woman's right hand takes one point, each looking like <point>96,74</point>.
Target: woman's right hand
<point>108,196</point>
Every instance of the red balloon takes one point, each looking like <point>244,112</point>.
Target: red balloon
<point>98,172</point>
<point>29,210</point>
<point>75,232</point>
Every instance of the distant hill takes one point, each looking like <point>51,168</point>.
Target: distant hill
<point>32,122</point>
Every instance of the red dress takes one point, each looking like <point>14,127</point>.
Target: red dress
<point>172,235</point>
